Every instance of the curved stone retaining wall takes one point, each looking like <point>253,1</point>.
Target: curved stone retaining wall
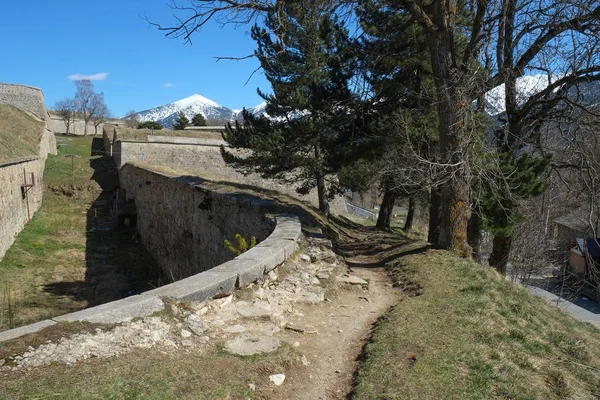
<point>183,223</point>
<point>221,280</point>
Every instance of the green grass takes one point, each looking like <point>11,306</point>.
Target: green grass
<point>466,333</point>
<point>20,135</point>
<point>47,271</point>
<point>173,374</point>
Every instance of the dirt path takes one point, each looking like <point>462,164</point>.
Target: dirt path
<point>343,325</point>
<point>322,306</point>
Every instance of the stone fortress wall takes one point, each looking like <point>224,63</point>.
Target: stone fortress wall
<point>56,125</point>
<point>26,98</point>
<point>176,232</point>
<point>15,208</point>
<point>203,157</point>
<point>184,223</point>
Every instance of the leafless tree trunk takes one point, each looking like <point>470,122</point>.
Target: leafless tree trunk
<point>386,210</point>
<point>410,215</point>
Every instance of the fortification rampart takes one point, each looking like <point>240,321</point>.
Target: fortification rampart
<point>20,191</point>
<point>203,157</point>
<point>194,215</point>
<point>26,98</point>
<point>183,223</point>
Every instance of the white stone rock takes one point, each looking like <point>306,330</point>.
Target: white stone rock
<point>277,379</point>
<point>185,333</point>
<point>196,324</point>
<point>351,279</point>
<point>235,329</point>
<point>246,345</point>
<point>304,257</point>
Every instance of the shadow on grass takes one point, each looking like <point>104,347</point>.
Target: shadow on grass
<point>117,265</point>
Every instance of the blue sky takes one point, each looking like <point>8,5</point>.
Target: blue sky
<point>46,42</point>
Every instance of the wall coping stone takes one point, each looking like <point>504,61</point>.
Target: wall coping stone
<point>221,280</point>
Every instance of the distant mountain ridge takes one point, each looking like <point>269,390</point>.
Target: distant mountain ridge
<point>214,113</point>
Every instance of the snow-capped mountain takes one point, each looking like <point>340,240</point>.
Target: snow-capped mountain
<point>587,93</point>
<point>259,109</point>
<point>213,112</point>
<point>527,86</point>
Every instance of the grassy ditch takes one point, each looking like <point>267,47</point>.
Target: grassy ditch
<point>57,263</point>
<point>466,333</point>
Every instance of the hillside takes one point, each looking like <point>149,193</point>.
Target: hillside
<point>20,135</point>
<point>465,332</point>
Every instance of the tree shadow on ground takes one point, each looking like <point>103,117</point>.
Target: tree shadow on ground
<point>117,264</point>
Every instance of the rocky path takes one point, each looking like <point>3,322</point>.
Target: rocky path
<point>316,304</point>
<point>342,326</point>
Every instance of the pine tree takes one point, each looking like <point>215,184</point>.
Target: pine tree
<point>181,122</point>
<point>198,120</point>
<point>303,52</point>
<point>397,67</point>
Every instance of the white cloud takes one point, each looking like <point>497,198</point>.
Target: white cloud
<point>100,76</point>
<point>168,85</point>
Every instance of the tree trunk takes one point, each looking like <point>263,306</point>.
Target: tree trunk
<point>435,215</point>
<point>453,110</point>
<point>322,193</point>
<point>475,236</point>
<point>410,216</point>
<point>385,211</point>
<point>321,187</point>
<point>500,252</point>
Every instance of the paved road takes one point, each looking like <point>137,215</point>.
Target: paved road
<point>573,309</point>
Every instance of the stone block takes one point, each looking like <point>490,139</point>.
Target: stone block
<point>269,257</point>
<point>24,330</point>
<point>288,246</point>
<point>199,287</point>
<point>117,311</point>
<point>288,227</point>
<point>248,270</point>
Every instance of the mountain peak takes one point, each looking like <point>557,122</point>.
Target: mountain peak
<point>194,99</point>
<point>213,112</point>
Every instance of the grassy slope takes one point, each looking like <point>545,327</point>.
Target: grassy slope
<point>52,246</point>
<point>20,135</point>
<point>47,269</point>
<point>473,335</point>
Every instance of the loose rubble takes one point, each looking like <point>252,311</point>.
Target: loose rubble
<point>246,321</point>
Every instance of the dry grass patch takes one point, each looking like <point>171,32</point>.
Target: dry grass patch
<point>466,333</point>
<point>207,373</point>
<point>20,135</point>
<point>142,134</point>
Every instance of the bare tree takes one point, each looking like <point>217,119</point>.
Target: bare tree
<point>66,109</point>
<point>88,102</point>
<point>101,111</point>
<point>131,119</point>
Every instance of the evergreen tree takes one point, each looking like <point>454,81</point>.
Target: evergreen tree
<point>150,125</point>
<point>514,179</point>
<point>198,120</point>
<point>303,52</point>
<point>181,122</point>
<point>396,65</point>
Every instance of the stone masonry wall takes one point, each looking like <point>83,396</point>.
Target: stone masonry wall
<point>26,98</point>
<point>13,205</point>
<point>183,224</point>
<point>206,160</point>
<point>56,125</point>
